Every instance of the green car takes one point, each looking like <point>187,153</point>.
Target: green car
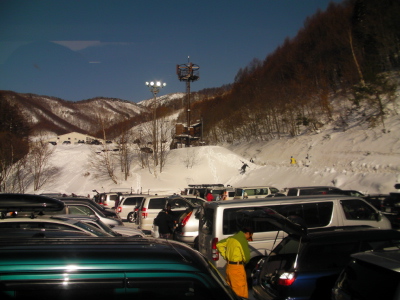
<point>103,268</point>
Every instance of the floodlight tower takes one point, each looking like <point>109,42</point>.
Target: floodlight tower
<point>154,89</point>
<point>188,72</point>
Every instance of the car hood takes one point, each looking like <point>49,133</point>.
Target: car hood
<point>292,225</point>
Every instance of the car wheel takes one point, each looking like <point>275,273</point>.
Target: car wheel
<point>131,217</point>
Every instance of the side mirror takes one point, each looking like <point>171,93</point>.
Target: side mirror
<point>378,216</point>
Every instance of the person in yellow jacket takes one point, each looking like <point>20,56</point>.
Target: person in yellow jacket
<point>235,250</point>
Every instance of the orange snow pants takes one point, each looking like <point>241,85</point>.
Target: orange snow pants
<point>236,278</point>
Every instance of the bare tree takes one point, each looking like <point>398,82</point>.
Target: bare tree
<point>39,163</point>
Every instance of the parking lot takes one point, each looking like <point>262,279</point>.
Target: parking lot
<point>222,271</point>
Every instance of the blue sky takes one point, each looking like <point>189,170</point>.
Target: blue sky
<point>82,49</point>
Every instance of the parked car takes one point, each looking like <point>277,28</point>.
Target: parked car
<point>313,190</point>
<point>89,208</point>
<point>254,192</point>
<point>187,230</point>
<point>126,208</point>
<point>201,189</point>
<point>306,263</point>
<point>152,205</point>
<point>389,204</point>
<point>94,221</point>
<point>221,219</point>
<point>370,275</point>
<point>100,268</point>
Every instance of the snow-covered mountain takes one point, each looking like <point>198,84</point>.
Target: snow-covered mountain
<point>56,115</point>
<point>365,159</point>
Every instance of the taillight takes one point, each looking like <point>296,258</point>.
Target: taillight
<point>185,219</point>
<point>287,278</point>
<point>144,212</point>
<point>214,250</point>
<point>119,209</point>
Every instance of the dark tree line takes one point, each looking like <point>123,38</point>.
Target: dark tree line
<point>342,51</point>
<point>14,138</point>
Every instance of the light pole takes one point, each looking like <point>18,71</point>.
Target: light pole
<point>154,89</point>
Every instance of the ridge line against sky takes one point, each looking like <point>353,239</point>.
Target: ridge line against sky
<point>77,50</point>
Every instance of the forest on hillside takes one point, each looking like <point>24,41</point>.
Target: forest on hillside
<point>350,51</point>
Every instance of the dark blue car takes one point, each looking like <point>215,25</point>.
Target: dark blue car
<point>306,264</point>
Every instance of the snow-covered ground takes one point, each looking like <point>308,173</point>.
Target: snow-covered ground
<point>367,160</point>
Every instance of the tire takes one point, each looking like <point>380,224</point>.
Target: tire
<point>131,217</point>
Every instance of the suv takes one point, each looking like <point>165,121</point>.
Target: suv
<point>126,208</point>
<point>306,264</point>
<point>370,275</point>
<point>254,192</point>
<point>152,205</point>
<point>104,268</point>
<point>313,190</point>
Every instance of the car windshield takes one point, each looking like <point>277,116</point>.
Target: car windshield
<point>92,229</point>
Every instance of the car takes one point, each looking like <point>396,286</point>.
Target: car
<point>108,212</point>
<point>201,189</point>
<point>221,219</point>
<point>182,211</point>
<point>389,204</point>
<point>151,205</point>
<point>66,142</point>
<point>313,190</point>
<point>253,192</point>
<point>306,263</point>
<point>126,208</point>
<point>370,275</point>
<point>88,207</point>
<point>94,221</point>
<point>187,230</point>
<point>104,268</point>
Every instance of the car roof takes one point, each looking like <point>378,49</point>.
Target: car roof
<point>254,187</point>
<point>146,252</point>
<point>314,187</point>
<point>266,200</point>
<point>29,202</point>
<point>386,258</point>
<point>351,233</point>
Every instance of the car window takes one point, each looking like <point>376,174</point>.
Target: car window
<point>274,190</point>
<point>357,210</point>
<point>157,203</point>
<point>179,204</point>
<point>80,210</point>
<point>132,200</point>
<point>314,214</point>
<point>206,223</point>
<point>327,256</point>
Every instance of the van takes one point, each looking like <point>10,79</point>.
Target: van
<point>252,192</point>
<point>313,190</point>
<point>151,205</point>
<point>221,219</point>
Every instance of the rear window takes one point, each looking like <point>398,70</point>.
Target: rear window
<point>314,215</point>
<point>206,224</point>
<point>157,203</point>
<point>132,201</point>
